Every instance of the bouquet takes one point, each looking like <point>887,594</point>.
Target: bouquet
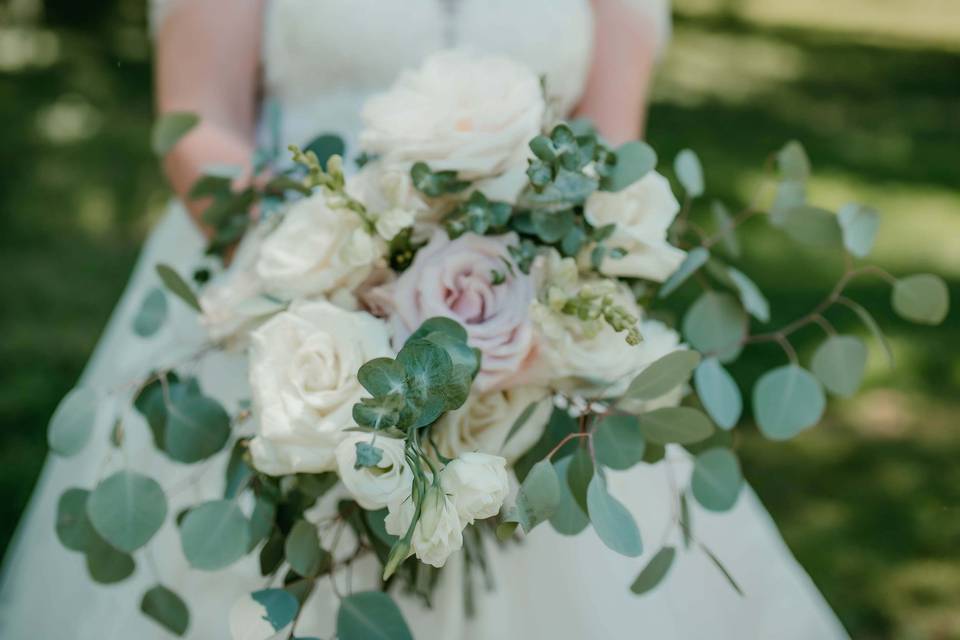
<point>475,303</point>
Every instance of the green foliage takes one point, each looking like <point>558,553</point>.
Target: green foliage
<point>197,427</point>
<point>579,475</point>
<point>618,442</point>
<point>750,295</point>
<point>435,183</point>
<point>663,375</point>
<point>715,325</point>
<point>839,364</point>
<point>568,518</point>
<point>695,259</point>
<point>177,286</point>
<point>303,552</point>
<point>167,609</point>
<point>152,313</point>
<point>261,520</point>
<point>478,215</point>
<point>655,571</point>
<point>127,509</point>
<point>718,392</point>
<point>106,564</point>
<point>170,128</point>
<point>368,455</point>
<point>716,479</point>
<point>681,425</point>
<point>812,226</point>
<point>921,298</point>
<point>859,225</point>
<point>520,421</point>
<point>73,526</point>
<point>787,400</point>
<point>726,229</point>
<point>72,422</point>
<point>371,615</point>
<point>633,161</point>
<point>689,172</point>
<point>214,535</point>
<point>612,521</point>
<point>536,500</point>
<point>326,146</point>
<point>281,607</point>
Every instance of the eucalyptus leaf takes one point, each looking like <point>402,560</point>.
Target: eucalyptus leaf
<point>612,521</point>
<point>280,607</point>
<point>716,479</point>
<point>922,298</point>
<point>167,609</point>
<point>382,376</point>
<point>170,128</point>
<point>792,162</point>
<point>214,535</point>
<point>197,427</point>
<point>537,498</point>
<point>177,285</point>
<point>371,615</point>
<point>72,422</point>
<point>302,550</point>
<point>726,229</point>
<point>812,226</point>
<point>73,526</point>
<point>655,571</point>
<point>127,509</point>
<point>689,172</point>
<point>681,425</point>
<point>750,295</point>
<point>839,364</point>
<point>152,313</point>
<point>787,400</point>
<point>578,476</point>
<point>634,160</point>
<point>261,520</point>
<point>695,259</point>
<point>859,225</point>
<point>569,518</point>
<point>663,375</point>
<point>325,146</point>
<point>106,564</point>
<point>520,421</point>
<point>790,195</point>
<point>715,325</point>
<point>618,442</point>
<point>719,393</point>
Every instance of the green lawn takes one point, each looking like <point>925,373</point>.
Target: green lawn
<point>869,501</point>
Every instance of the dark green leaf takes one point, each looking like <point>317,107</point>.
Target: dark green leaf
<point>106,564</point>
<point>579,475</point>
<point>167,609</point>
<point>73,526</point>
<point>326,145</point>
<point>127,509</point>
<point>569,518</point>
<point>655,571</point>
<point>520,421</point>
<point>261,521</point>
<point>719,565</point>
<point>177,286</point>
<point>72,422</point>
<point>303,551</point>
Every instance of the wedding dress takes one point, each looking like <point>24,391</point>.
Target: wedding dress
<point>321,59</point>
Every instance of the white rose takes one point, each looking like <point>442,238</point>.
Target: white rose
<point>485,419</point>
<point>374,488</point>
<point>642,212</point>
<point>461,112</point>
<point>477,483</point>
<point>438,533</point>
<point>393,221</point>
<point>303,377</point>
<point>317,249</point>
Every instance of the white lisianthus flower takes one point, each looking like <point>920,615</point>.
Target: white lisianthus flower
<point>460,112</point>
<point>317,249</point>
<point>438,533</point>
<point>642,212</point>
<point>303,377</point>
<point>477,484</point>
<point>485,419</point>
<point>374,487</point>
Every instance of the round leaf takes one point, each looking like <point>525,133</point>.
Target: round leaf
<point>787,400</point>
<point>618,442</point>
<point>167,609</point>
<point>72,422</point>
<point>106,564</point>
<point>921,298</point>
<point>280,606</point>
<point>612,521</point>
<point>302,549</point>
<point>197,428</point>
<point>718,392</point>
<point>839,364</point>
<point>214,535</point>
<point>716,479</point>
<point>682,425</point>
<point>151,315</point>
<point>73,526</point>
<point>127,509</point>
<point>695,259</point>
<point>655,571</point>
<point>371,615</point>
<point>792,162</point>
<point>812,226</point>
<point>859,225</point>
<point>716,325</point>
<point>568,519</point>
<point>634,160</point>
<point>538,496</point>
<point>689,172</point>
<point>663,375</point>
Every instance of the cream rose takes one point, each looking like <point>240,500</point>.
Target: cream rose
<point>642,212</point>
<point>483,422</point>
<point>454,279</point>
<point>461,112</point>
<point>477,484</point>
<point>316,250</point>
<point>438,533</point>
<point>303,376</point>
<point>374,488</point>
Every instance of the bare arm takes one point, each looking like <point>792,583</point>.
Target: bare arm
<point>207,62</point>
<point>624,57</point>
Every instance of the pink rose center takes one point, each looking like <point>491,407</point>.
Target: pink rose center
<point>469,297</point>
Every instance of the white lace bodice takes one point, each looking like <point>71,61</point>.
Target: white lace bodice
<point>323,58</point>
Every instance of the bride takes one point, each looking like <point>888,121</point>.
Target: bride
<point>317,61</point>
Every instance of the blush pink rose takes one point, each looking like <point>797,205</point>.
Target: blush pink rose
<point>454,279</point>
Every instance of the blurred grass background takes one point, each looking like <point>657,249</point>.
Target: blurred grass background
<point>869,501</point>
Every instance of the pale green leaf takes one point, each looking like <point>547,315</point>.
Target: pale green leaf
<point>663,375</point>
<point>152,313</point>
<point>280,606</point>
<point>611,520</point>
<point>695,259</point>
<point>726,229</point>
<point>73,526</point>
<point>716,325</point>
<point>618,442</point>
<point>371,615</point>
<point>787,400</point>
<point>568,519</point>
<point>127,509</point>
<point>922,298</point>
<point>634,160</point>
<point>520,421</point>
<point>812,226</point>
<point>689,172</point>
<point>215,534</point>
<point>302,550</point>
<point>197,427</point>
<point>839,364</point>
<point>716,479</point>
<point>859,225</point>
<point>718,392</point>
<point>751,297</point>
<point>72,422</point>
<point>792,162</point>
